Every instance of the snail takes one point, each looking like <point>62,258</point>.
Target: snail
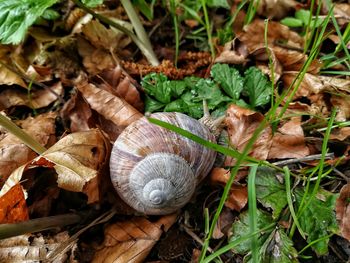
<point>156,171</point>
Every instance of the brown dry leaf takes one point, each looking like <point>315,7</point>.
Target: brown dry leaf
<point>8,77</point>
<point>224,224</point>
<point>38,99</point>
<point>120,84</point>
<point>32,248</point>
<point>241,124</point>
<point>131,241</point>
<point>289,141</point>
<point>238,197</point>
<point>342,208</point>
<point>234,52</point>
<point>253,35</point>
<point>315,84</point>
<point>13,207</point>
<point>342,104</point>
<point>276,8</point>
<point>342,12</point>
<point>94,60</point>
<point>109,106</point>
<point>340,134</point>
<point>13,153</point>
<point>78,112</point>
<point>77,158</point>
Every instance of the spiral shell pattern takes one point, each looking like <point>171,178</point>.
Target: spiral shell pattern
<point>155,170</point>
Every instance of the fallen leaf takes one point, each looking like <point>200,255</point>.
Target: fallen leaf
<point>340,134</point>
<point>13,207</point>
<point>234,52</point>
<point>37,99</point>
<point>238,196</point>
<point>77,158</point>
<point>8,77</point>
<point>33,248</point>
<point>117,82</point>
<point>13,153</point>
<point>241,124</point>
<point>289,141</point>
<point>131,241</point>
<point>342,12</point>
<point>224,223</point>
<point>342,103</point>
<point>275,8</point>
<point>342,209</point>
<point>109,106</point>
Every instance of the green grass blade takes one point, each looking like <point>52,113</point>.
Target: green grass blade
<point>252,211</point>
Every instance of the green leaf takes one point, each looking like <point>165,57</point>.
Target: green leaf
<point>92,3</point>
<point>229,79</point>
<point>240,229</point>
<point>278,248</point>
<point>152,105</point>
<point>269,191</point>
<point>193,109</point>
<point>177,105</point>
<point>292,22</point>
<point>207,90</point>
<point>145,9</point>
<point>318,218</point>
<point>50,14</point>
<point>218,3</point>
<point>16,16</point>
<point>157,85</point>
<point>303,15</point>
<point>177,88</point>
<point>257,87</point>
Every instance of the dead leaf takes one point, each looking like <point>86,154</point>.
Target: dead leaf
<point>13,207</point>
<point>38,98</point>
<point>78,112</point>
<point>117,82</point>
<point>342,13</point>
<point>275,8</point>
<point>32,248</point>
<point>238,196</point>
<point>340,134</point>
<point>109,106</point>
<point>289,141</point>
<point>131,241</point>
<point>224,224</point>
<point>77,158</point>
<point>13,153</point>
<point>234,52</point>
<point>241,124</point>
<point>8,77</point>
<point>342,104</point>
<point>342,209</point>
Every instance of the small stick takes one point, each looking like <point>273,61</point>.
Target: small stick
<point>39,224</point>
<point>304,159</point>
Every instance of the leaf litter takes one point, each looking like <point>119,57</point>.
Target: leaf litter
<point>97,83</point>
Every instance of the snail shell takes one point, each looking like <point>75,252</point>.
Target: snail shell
<point>155,170</point>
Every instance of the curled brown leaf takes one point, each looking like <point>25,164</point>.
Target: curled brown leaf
<point>342,208</point>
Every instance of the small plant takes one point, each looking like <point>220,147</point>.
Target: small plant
<point>301,19</point>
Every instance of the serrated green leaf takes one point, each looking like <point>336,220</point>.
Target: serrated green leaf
<point>257,87</point>
<point>207,90</point>
<point>318,219</point>
<point>303,15</point>
<point>278,248</point>
<point>193,109</point>
<point>16,16</point>
<point>152,105</point>
<point>229,79</point>
<point>240,229</point>
<point>269,191</point>
<point>177,88</point>
<point>92,3</point>
<point>157,85</point>
<point>292,22</point>
<point>177,105</point>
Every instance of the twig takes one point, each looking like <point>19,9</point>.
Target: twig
<point>39,224</point>
<point>195,237</point>
<point>304,159</point>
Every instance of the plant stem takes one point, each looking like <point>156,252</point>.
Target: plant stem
<point>38,224</point>
<point>208,28</point>
<point>149,54</point>
<point>139,29</point>
<point>22,135</point>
